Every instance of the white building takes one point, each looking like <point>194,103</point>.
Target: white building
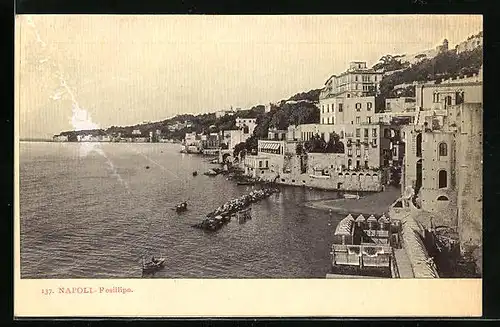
<point>251,123</point>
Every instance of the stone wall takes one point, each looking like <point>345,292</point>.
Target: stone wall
<point>369,182</point>
<point>470,175</point>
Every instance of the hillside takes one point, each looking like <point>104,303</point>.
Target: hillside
<point>446,64</point>
<point>281,116</point>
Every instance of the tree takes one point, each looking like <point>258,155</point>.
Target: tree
<point>334,144</point>
<point>238,148</point>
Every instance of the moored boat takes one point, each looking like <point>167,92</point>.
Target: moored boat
<point>181,207</point>
<point>351,196</point>
<point>195,173</point>
<point>211,172</point>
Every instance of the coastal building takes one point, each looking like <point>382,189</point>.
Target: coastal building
<point>190,139</point>
<point>249,123</point>
<point>231,138</point>
<point>443,156</point>
<point>399,104</point>
<point>357,81</point>
<point>210,141</point>
<point>136,132</point>
<point>366,146</point>
<point>255,165</point>
<point>60,138</point>
<point>140,139</point>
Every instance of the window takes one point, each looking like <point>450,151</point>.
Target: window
<point>357,164</point>
<point>323,109</point>
<point>358,106</point>
<point>448,100</point>
<point>349,152</point>
<point>341,107</point>
<point>260,163</point>
<point>443,149</point>
<point>366,132</point>
<point>366,166</point>
<point>333,106</point>
<point>323,120</point>
<point>341,134</point>
<point>374,141</point>
<point>348,95</point>
<point>387,133</point>
<point>356,78</point>
<point>435,98</point>
<point>443,179</point>
<point>375,78</point>
<point>349,163</point>
<point>369,119</point>
<point>369,106</point>
<point>358,132</point>
<point>358,120</point>
<point>374,132</point>
<point>459,97</point>
<point>419,145</point>
<point>442,198</point>
<point>328,120</point>
<point>327,108</point>
<point>323,136</point>
<point>358,152</point>
<point>267,164</point>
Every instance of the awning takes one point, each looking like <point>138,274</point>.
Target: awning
<point>270,146</point>
<point>344,227</point>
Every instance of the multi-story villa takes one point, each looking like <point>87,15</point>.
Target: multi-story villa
<point>443,156</point>
<point>335,100</point>
<point>250,123</point>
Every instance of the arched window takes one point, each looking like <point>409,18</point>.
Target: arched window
<point>442,198</point>
<point>443,179</point>
<point>443,149</point>
<point>447,100</point>
<point>419,145</point>
<point>349,163</point>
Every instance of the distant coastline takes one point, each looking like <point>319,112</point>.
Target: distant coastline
<point>35,140</point>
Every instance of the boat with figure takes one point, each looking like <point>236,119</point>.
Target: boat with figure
<point>181,207</point>
<point>153,265</point>
<point>195,173</point>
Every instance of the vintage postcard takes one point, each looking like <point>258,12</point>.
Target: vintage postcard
<point>236,166</point>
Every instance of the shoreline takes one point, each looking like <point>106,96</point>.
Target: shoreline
<point>373,203</point>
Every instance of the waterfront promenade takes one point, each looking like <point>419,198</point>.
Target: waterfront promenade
<point>374,203</point>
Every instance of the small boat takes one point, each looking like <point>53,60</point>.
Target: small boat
<point>351,196</point>
<point>195,173</point>
<point>211,172</point>
<point>153,265</point>
<point>245,183</point>
<point>181,207</point>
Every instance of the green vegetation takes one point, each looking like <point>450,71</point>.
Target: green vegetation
<point>447,64</point>
<point>318,144</point>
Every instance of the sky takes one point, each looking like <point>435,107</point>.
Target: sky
<point>93,71</point>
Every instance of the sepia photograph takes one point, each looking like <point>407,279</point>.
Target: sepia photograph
<point>248,147</point>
